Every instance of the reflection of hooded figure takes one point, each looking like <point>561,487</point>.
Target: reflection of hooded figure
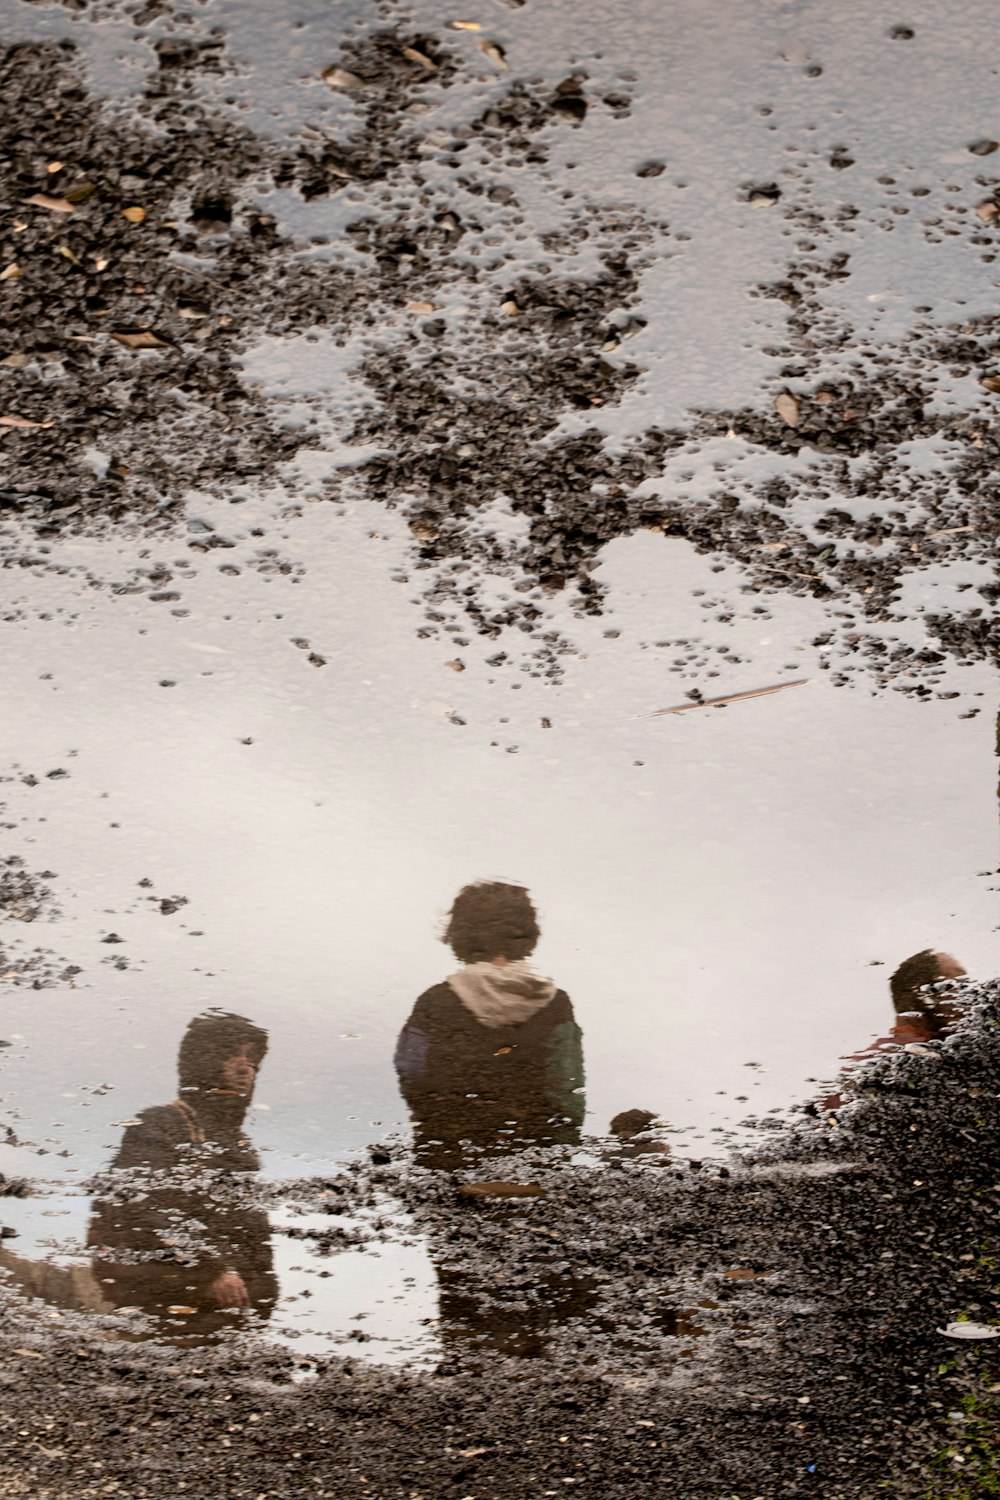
<point>492,1056</point>
<point>183,1241</point>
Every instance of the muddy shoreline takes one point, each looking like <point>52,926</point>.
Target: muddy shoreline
<point>822,1272</point>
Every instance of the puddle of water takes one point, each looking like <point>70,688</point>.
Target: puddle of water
<point>716,888</point>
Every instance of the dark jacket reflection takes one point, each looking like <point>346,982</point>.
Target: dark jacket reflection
<point>493,1055</point>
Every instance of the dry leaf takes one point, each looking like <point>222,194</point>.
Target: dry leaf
<point>987,211</point>
<point>11,273</point>
<point>340,78</point>
<point>180,1311</point>
<point>465,26</point>
<point>991,383</point>
<point>458,665</point>
<point>69,254</point>
<point>22,422</point>
<point>495,53</point>
<point>54,166</point>
<point>135,214</point>
<point>141,338</point>
<point>499,1190</point>
<point>101,263</point>
<point>787,407</point>
<point>79,193</point>
<point>420,307</point>
<point>16,361</point>
<point>420,57</point>
<point>511,310</point>
<point>45,200</point>
<point>30,1353</point>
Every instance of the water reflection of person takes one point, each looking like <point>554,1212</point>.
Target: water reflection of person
<point>923,1013</point>
<point>185,1244</point>
<point>493,1055</point>
<point>176,1237</point>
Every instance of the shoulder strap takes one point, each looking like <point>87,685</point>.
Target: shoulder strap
<point>190,1119</point>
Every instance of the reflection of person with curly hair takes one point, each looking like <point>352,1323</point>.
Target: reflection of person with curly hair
<point>493,1055</point>
<point>923,1014</point>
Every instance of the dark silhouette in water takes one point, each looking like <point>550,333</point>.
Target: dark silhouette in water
<point>493,1055</point>
<point>922,1012</point>
<point>176,1237</point>
<point>489,1060</point>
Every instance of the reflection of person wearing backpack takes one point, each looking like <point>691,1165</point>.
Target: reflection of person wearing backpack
<point>493,1055</point>
<point>191,1240</point>
<point>175,1236</point>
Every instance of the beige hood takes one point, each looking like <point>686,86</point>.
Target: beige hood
<point>502,995</point>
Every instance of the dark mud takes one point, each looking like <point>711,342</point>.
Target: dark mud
<point>117,329</point>
<point>769,1328</point>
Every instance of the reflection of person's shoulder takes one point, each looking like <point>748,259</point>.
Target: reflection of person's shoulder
<point>559,1008</point>
<point>437,1006</point>
<point>154,1137</point>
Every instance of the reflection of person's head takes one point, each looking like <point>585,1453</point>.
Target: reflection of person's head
<point>908,982</point>
<point>220,1057</point>
<point>491,919</point>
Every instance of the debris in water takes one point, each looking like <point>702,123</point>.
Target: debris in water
<point>500,1190</point>
<point>141,338</point>
<point>415,55</point>
<point>778,687</point>
<point>341,78</point>
<point>495,53</point>
<point>56,205</point>
<point>22,422</point>
<point>787,407</point>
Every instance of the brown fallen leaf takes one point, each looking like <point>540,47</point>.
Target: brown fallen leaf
<point>787,407</point>
<point>465,26</point>
<point>500,1190</point>
<point>140,338</point>
<point>739,1273</point>
<point>416,56</point>
<point>79,192</point>
<point>57,205</point>
<point>991,383</point>
<point>54,166</point>
<point>30,1353</point>
<point>987,211</point>
<point>495,53</point>
<point>11,272</point>
<point>680,708</point>
<point>340,78</point>
<point>134,214</point>
<point>22,423</point>
<point>181,1311</point>
<point>420,307</point>
<point>511,310</point>
<point>69,254</point>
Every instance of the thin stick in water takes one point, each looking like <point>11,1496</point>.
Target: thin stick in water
<point>778,687</point>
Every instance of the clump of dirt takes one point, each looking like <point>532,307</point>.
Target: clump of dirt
<point>26,898</point>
